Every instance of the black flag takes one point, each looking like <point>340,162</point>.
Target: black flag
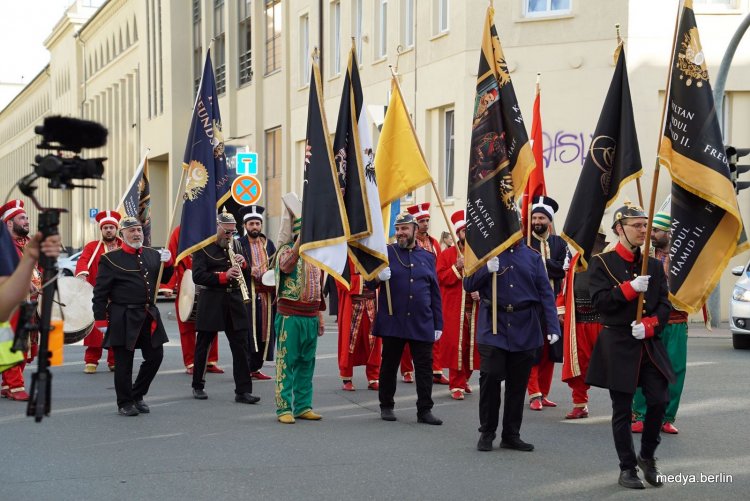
<point>613,159</point>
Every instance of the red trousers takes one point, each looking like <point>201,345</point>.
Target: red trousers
<point>187,340</point>
<point>94,349</point>
<point>12,379</point>
<point>586,335</point>
<point>540,379</point>
<point>459,378</point>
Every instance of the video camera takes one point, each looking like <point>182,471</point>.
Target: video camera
<point>66,137</point>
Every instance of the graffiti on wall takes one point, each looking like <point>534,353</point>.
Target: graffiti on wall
<point>566,147</point>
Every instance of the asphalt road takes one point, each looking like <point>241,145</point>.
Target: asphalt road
<point>217,449</point>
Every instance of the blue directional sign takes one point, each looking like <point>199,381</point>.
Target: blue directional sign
<point>247,163</point>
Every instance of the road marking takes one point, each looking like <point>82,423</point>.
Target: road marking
<point>700,364</point>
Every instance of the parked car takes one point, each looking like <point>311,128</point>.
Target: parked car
<point>68,264</point>
<point>739,308</point>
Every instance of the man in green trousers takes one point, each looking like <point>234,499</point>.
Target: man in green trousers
<point>673,336</point>
<point>299,322</point>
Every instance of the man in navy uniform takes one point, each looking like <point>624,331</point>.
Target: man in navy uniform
<point>525,311</point>
<point>629,354</point>
<point>124,296</point>
<point>554,252</point>
<point>415,318</point>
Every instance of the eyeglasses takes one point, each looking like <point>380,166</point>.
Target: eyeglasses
<point>229,232</point>
<point>638,226</point>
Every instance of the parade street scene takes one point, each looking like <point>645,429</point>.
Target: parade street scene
<point>304,249</point>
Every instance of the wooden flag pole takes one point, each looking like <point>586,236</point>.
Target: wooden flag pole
<point>654,185</point>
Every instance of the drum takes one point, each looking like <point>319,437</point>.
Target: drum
<point>187,300</point>
<point>269,278</point>
<point>74,308</point>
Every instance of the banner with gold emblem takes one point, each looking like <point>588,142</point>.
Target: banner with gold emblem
<point>500,157</point>
<point>706,223</point>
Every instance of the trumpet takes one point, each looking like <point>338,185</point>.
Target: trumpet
<point>241,278</point>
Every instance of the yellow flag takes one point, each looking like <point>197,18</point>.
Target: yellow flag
<point>400,167</point>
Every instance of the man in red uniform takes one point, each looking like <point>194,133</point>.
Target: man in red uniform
<point>17,221</point>
<point>460,314</point>
<point>86,269</point>
<point>357,345</point>
<point>187,327</point>
<point>581,327</point>
<point>421,213</point>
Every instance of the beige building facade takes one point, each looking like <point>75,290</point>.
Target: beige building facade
<point>133,65</point>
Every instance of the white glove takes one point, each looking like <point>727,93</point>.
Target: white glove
<point>639,330</point>
<point>493,265</point>
<point>438,335</point>
<point>640,284</point>
<point>566,264</point>
<point>165,255</point>
<point>385,274</point>
<point>553,338</point>
<point>103,330</point>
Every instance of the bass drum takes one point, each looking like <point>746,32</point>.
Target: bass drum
<point>74,308</point>
<point>187,300</point>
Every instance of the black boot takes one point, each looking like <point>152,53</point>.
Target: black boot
<point>485,441</point>
<point>650,471</point>
<point>386,414</point>
<point>630,479</point>
<point>516,444</point>
<point>428,418</point>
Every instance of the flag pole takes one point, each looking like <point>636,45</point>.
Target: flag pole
<point>655,184</point>
<point>529,202</point>
<point>421,153</point>
<point>620,46</point>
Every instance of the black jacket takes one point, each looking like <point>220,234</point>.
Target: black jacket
<point>616,358</point>
<point>220,306</point>
<point>123,295</point>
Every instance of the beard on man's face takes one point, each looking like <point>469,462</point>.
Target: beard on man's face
<point>406,241</point>
<point>19,230</point>
<point>254,233</point>
<point>108,238</point>
<point>539,229</point>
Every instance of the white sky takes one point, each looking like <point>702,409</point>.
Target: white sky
<point>24,25</point>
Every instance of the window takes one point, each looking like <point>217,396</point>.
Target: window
<point>304,50</point>
<point>197,46</point>
<point>273,36</point>
<point>381,45</point>
<point>542,8</point>
<point>448,162</point>
<point>335,30</point>
<point>244,14</point>
<point>220,47</point>
<point>273,152</point>
<point>357,27</point>
<point>714,5</point>
<point>440,16</point>
<point>407,23</point>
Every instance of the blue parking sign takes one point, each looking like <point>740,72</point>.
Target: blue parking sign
<point>247,164</point>
<point>93,212</point>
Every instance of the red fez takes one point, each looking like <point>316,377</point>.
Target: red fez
<point>459,220</point>
<point>12,209</point>
<point>419,211</point>
<point>108,217</point>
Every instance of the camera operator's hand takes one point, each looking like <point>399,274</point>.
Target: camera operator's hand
<point>50,247</point>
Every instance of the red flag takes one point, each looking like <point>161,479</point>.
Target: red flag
<point>535,187</point>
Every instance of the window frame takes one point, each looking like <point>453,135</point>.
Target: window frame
<point>244,37</point>
<point>381,29</point>
<point>548,12</point>
<point>334,14</point>
<point>448,146</point>
<point>272,41</point>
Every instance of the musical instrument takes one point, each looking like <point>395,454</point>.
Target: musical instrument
<point>187,300</point>
<point>241,278</point>
<point>269,278</point>
<point>74,308</point>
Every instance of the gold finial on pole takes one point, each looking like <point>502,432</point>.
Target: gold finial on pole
<point>315,55</point>
<point>617,30</point>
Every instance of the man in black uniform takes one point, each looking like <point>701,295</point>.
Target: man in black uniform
<point>220,308</point>
<point>629,354</point>
<point>123,296</point>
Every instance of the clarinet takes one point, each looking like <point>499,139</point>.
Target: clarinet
<point>241,278</point>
